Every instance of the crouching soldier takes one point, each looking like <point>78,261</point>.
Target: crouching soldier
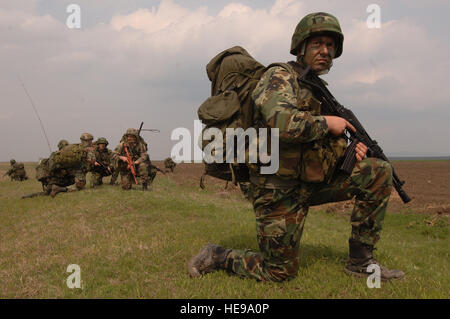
<point>17,171</point>
<point>73,160</point>
<point>102,166</point>
<point>169,164</point>
<point>134,147</point>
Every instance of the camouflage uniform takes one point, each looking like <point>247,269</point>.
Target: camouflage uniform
<point>81,157</point>
<point>115,170</point>
<point>17,171</point>
<point>308,156</point>
<point>244,186</point>
<point>56,180</point>
<point>62,144</point>
<point>61,178</point>
<point>138,152</point>
<point>104,158</point>
<point>169,164</point>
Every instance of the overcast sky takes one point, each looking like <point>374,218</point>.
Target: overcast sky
<point>135,60</point>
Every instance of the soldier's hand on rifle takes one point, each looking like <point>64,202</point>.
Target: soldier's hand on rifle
<point>123,158</point>
<point>361,151</point>
<point>337,125</point>
<point>96,163</point>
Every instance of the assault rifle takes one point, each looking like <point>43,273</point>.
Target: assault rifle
<point>106,168</point>
<point>158,169</point>
<point>34,195</point>
<point>130,163</point>
<point>330,106</point>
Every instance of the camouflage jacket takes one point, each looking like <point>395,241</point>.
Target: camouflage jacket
<point>168,162</point>
<point>16,170</point>
<point>307,150</point>
<point>138,152</point>
<point>104,157</point>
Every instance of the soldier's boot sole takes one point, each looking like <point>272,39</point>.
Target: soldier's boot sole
<point>210,258</point>
<point>385,273</point>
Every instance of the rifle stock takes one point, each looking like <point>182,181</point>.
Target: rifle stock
<point>130,164</point>
<point>158,169</point>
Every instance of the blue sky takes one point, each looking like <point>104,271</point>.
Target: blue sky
<point>135,61</point>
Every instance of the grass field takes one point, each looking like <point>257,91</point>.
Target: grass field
<point>134,244</point>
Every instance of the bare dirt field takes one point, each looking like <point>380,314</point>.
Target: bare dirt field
<point>426,182</point>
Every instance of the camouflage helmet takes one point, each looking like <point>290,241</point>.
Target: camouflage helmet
<point>62,143</point>
<point>86,137</point>
<point>102,140</point>
<point>316,24</point>
<point>132,131</point>
<point>12,161</point>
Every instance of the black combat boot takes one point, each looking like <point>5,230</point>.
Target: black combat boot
<point>360,257</point>
<point>144,187</point>
<point>57,189</point>
<point>210,258</point>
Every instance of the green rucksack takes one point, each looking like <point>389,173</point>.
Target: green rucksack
<point>42,170</point>
<point>71,156</point>
<point>234,75</point>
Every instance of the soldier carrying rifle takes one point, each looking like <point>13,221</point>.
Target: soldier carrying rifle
<point>133,161</point>
<point>103,165</point>
<point>17,171</point>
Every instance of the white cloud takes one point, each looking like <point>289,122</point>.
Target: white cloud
<point>402,54</point>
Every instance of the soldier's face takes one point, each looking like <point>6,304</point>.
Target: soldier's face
<point>101,147</point>
<point>319,52</point>
<point>131,139</point>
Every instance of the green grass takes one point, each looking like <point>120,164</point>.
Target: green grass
<point>134,244</point>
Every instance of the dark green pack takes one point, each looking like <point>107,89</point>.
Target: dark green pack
<point>42,170</point>
<point>71,156</point>
<point>234,74</point>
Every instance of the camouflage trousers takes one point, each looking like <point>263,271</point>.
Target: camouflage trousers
<point>143,175</point>
<point>97,176</point>
<point>78,176</point>
<point>281,213</point>
<point>244,186</point>
<point>114,175</point>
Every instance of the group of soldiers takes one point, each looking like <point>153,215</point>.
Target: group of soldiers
<point>70,164</point>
